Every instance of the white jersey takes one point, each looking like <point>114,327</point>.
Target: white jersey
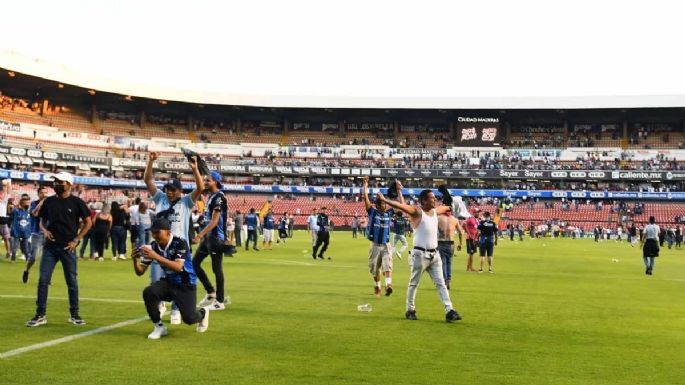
<point>426,233</point>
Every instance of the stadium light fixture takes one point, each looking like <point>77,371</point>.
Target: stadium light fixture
<point>128,98</point>
<point>162,102</point>
<point>11,74</point>
<point>60,85</point>
<point>91,92</point>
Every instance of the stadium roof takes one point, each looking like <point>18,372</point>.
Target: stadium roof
<point>355,54</point>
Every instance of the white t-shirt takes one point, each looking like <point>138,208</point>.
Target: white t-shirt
<point>312,223</point>
<point>133,210</point>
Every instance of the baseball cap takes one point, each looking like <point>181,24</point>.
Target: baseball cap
<point>160,224</point>
<point>215,176</point>
<point>175,184</point>
<point>64,176</point>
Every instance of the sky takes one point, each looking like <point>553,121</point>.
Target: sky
<point>375,52</point>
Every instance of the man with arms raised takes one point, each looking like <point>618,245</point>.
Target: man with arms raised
<point>173,205</point>
<point>380,253</point>
<point>447,225</point>
<point>424,256</point>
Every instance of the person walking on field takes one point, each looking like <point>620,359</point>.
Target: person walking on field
<point>650,245</point>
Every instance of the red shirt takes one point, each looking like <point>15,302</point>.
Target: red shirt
<point>471,227</point>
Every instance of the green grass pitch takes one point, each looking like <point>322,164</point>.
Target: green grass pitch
<point>555,312</point>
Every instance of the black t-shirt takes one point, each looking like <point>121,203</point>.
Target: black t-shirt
<point>61,217</point>
<point>118,218</point>
<point>323,222</point>
<point>487,228</point>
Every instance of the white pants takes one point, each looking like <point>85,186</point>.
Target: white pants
<point>313,234</point>
<point>421,261</point>
<point>403,240</point>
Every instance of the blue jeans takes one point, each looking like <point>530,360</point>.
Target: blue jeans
<point>144,237</point>
<point>88,239</point>
<point>37,241</point>
<point>446,251</point>
<point>118,241</point>
<point>649,262</point>
<point>51,255</point>
<point>23,243</point>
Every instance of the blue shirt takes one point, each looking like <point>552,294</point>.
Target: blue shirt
<point>176,249</point>
<point>21,223</point>
<point>251,221</point>
<point>179,215</point>
<point>269,222</point>
<point>217,202</point>
<point>401,225</point>
<point>35,221</point>
<point>379,225</point>
<point>282,224</point>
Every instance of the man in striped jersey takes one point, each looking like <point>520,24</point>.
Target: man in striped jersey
<point>380,253</point>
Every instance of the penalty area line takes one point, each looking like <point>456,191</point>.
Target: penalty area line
<point>70,338</point>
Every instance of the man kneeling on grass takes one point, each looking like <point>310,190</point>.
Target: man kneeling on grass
<point>179,283</point>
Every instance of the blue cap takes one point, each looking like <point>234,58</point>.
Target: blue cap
<point>174,184</point>
<point>216,177</point>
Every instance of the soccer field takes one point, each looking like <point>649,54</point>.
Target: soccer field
<point>555,312</point>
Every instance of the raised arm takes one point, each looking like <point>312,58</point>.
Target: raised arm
<point>365,192</point>
<point>400,197</point>
<point>412,211</point>
<point>442,209</point>
<point>147,177</point>
<point>199,182</point>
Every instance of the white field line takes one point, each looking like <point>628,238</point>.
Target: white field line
<point>110,300</point>
<point>70,338</point>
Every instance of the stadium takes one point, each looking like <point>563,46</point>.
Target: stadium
<point>573,185</point>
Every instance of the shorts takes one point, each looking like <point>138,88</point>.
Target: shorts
<point>268,235</point>
<point>380,256</point>
<point>471,246</point>
<point>5,231</point>
<point>486,248</point>
<point>282,233</point>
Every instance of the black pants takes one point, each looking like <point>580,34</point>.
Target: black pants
<point>182,295</point>
<point>237,235</point>
<point>251,236</point>
<point>213,247</point>
<point>354,232</point>
<point>290,231</point>
<point>134,234</point>
<point>100,238</point>
<point>321,238</point>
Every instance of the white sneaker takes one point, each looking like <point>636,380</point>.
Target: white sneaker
<point>207,300</point>
<point>175,317</point>
<point>100,259</point>
<point>157,332</point>
<point>122,257</point>
<point>216,305</point>
<point>162,309</point>
<point>204,323</point>
<point>114,259</point>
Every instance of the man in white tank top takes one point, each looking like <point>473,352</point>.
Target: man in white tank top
<point>425,256</point>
